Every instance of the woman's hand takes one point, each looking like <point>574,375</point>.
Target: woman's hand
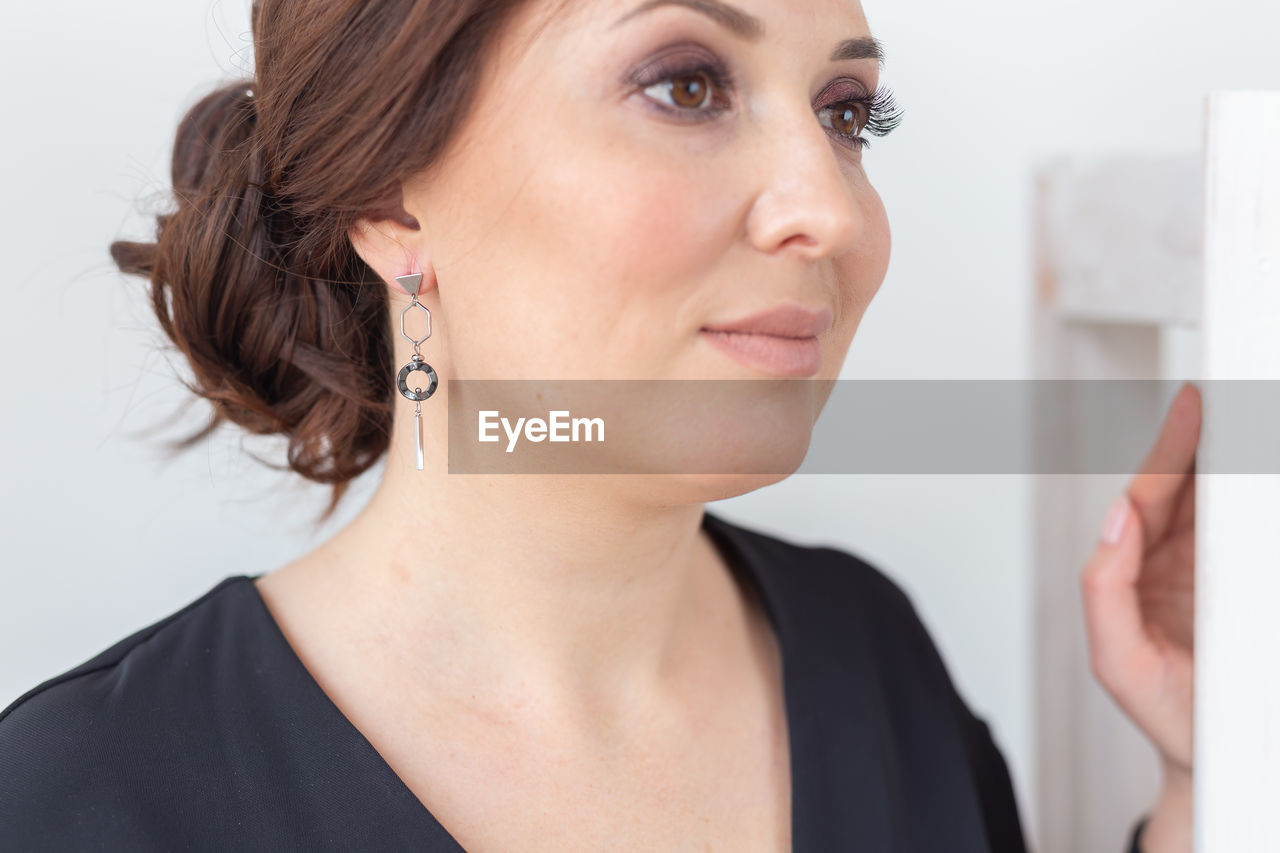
<point>1139,596</point>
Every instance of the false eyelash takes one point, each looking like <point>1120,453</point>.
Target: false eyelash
<point>883,112</point>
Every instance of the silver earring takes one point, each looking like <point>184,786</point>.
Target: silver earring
<point>412,283</point>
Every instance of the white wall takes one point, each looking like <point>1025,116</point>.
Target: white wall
<point>101,538</point>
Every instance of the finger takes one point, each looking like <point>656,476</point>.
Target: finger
<point>1184,514</point>
<point>1119,646</point>
<point>1155,488</point>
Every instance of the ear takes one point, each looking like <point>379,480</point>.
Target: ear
<point>391,248</point>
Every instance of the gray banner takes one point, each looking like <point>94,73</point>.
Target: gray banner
<point>865,427</point>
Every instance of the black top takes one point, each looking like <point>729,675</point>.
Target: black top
<point>204,731</point>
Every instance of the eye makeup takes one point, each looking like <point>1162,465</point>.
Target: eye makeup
<point>689,71</point>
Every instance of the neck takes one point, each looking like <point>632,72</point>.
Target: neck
<point>555,591</point>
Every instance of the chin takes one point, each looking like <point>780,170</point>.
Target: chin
<point>705,488</point>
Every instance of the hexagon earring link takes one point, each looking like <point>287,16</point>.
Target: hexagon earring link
<point>411,284</point>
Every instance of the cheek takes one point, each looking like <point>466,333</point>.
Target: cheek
<point>638,204</point>
<point>862,271</point>
<point>567,263</point>
<point>637,225</point>
<point>607,254</point>
<point>859,275</point>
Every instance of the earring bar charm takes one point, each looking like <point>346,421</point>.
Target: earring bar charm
<point>417,436</point>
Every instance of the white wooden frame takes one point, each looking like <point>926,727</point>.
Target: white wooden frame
<point>1237,785</point>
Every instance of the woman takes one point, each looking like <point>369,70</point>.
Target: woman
<point>526,663</point>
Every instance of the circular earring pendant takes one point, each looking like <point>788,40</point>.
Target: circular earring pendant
<point>402,382</point>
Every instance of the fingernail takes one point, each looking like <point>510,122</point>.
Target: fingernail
<point>1113,524</point>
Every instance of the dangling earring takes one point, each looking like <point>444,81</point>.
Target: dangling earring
<point>411,284</point>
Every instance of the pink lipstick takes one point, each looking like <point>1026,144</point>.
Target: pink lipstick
<point>781,341</point>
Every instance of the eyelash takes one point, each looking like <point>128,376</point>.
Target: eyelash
<point>883,113</point>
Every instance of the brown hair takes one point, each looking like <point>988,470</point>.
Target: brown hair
<point>253,276</point>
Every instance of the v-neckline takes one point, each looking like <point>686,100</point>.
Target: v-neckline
<point>741,560</point>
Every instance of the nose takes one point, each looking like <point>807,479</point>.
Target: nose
<point>808,201</point>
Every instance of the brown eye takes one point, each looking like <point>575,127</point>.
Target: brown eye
<point>687,91</point>
<point>848,119</point>
<point>845,119</point>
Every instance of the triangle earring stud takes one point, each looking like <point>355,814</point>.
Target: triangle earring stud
<point>411,283</point>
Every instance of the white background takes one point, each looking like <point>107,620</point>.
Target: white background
<point>101,537</point>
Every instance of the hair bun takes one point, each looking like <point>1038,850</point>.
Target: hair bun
<point>275,343</point>
<point>215,138</point>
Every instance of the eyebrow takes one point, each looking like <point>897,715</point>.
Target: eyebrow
<point>751,28</point>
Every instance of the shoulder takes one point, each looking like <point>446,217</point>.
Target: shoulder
<point>80,746</point>
<point>127,668</point>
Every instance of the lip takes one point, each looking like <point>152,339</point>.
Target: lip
<point>780,341</point>
<point>785,321</point>
<point>778,356</point>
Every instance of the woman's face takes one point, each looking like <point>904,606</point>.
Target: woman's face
<point>633,172</point>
